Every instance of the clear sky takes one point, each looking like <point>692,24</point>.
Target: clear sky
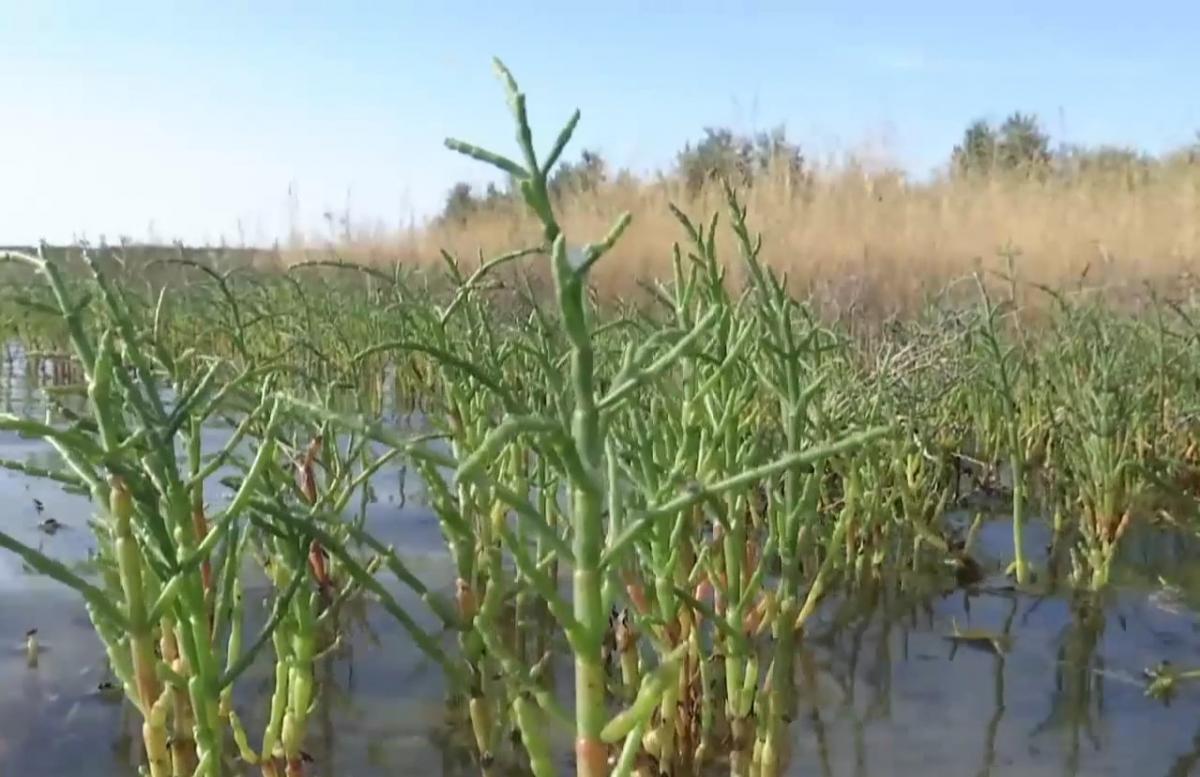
<point>194,120</point>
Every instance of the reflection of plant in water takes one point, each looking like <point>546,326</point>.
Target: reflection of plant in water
<point>993,726</point>
<point>810,688</point>
<point>881,671</point>
<point>857,638</point>
<point>1078,696</point>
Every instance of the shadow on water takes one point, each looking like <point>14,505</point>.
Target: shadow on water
<point>1030,685</point>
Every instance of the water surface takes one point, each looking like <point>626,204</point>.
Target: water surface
<point>881,689</point>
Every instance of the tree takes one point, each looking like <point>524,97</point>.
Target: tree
<point>773,150</point>
<point>460,203</point>
<point>740,159</point>
<point>1022,143</point>
<point>1018,144</point>
<point>977,153</point>
<point>585,175</point>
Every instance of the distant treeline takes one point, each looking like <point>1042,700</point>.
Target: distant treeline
<point>1016,146</point>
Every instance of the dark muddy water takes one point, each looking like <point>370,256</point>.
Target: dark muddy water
<point>881,689</point>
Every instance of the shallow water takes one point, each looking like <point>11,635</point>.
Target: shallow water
<point>881,689</point>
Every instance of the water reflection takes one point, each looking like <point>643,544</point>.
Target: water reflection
<point>878,689</point>
<point>28,378</point>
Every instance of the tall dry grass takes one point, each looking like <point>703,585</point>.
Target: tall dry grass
<point>860,241</point>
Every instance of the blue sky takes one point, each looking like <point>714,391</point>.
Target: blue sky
<point>194,120</point>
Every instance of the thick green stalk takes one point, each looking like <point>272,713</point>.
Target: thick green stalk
<point>1017,464</point>
<point>300,679</point>
<point>1012,422</point>
<point>587,522</point>
<point>141,637</point>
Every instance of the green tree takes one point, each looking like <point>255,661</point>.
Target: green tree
<point>977,152</point>
<point>740,159</point>
<point>1023,144</point>
<point>1017,144</point>
<point>586,175</point>
<point>460,203</point>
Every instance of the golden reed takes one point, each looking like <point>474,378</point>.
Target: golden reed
<point>872,244</point>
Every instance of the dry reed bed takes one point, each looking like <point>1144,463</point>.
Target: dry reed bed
<point>875,242</point>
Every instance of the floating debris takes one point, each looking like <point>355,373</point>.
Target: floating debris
<point>983,639</point>
<point>1168,598</point>
<point>51,526</point>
